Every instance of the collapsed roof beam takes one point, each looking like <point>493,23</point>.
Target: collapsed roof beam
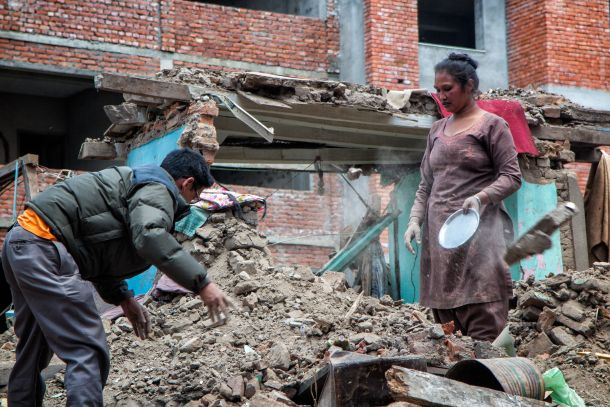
<point>339,156</point>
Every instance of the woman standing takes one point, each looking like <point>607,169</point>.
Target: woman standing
<point>470,162</point>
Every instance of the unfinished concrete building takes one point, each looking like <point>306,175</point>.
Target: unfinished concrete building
<point>50,52</point>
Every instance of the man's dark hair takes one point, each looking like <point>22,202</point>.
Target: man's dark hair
<point>185,163</point>
<point>462,67</point>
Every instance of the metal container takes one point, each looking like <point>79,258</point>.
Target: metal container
<point>518,376</point>
<point>458,228</point>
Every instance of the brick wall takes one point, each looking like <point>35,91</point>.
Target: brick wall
<point>558,42</point>
<point>178,26</point>
<point>391,43</point>
<point>292,213</point>
<point>44,178</point>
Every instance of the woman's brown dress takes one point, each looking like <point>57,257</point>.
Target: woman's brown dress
<point>481,158</point>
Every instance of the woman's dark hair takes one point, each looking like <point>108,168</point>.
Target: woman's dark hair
<point>462,67</point>
<point>185,163</point>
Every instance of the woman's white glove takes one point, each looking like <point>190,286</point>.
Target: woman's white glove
<point>472,202</point>
<point>413,231</point>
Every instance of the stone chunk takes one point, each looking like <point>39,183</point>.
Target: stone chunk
<point>573,309</point>
<point>374,342</point>
<point>335,280</point>
<point>191,345</point>
<point>245,287</point>
<point>540,345</point>
<point>436,332</point>
<point>531,313</point>
<point>536,299</point>
<point>251,388</point>
<point>546,320</point>
<point>279,356</point>
<point>245,240</point>
<point>236,383</point>
<point>585,327</point>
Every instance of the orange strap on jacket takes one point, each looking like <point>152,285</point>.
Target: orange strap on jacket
<point>31,222</point>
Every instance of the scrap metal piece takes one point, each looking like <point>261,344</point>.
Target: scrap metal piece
<point>538,238</point>
<point>249,120</point>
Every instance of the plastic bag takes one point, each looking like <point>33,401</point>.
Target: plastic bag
<point>562,393</point>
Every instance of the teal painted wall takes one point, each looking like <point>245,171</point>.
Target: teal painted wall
<point>152,152</point>
<point>408,274</point>
<point>525,207</point>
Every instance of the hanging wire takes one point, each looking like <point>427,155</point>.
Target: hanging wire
<point>412,270</point>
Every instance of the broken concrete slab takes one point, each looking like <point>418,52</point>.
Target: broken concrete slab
<point>573,309</point>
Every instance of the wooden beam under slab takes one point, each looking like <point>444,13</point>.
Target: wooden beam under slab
<point>326,155</point>
<point>429,390</point>
<point>581,135</point>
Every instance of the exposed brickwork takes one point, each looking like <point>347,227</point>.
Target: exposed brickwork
<point>582,173</point>
<point>391,43</point>
<point>290,255</point>
<point>250,36</point>
<point>120,22</point>
<point>291,214</point>
<point>45,178</point>
<point>560,43</point>
<point>33,53</point>
<point>527,50</point>
<point>181,26</point>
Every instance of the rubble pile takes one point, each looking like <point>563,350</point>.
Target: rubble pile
<point>294,90</point>
<point>286,324</point>
<point>544,108</point>
<point>563,321</point>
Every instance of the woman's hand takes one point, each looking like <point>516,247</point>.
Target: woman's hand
<point>413,231</point>
<point>472,202</point>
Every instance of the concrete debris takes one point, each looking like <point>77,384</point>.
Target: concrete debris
<point>573,316</point>
<point>287,324</point>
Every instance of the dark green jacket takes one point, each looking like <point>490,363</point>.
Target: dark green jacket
<point>116,223</point>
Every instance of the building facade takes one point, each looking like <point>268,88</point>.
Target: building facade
<point>51,50</point>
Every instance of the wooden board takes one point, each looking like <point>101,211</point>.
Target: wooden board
<point>429,390</point>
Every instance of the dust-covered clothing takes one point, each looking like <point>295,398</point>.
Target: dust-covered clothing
<point>481,158</point>
<point>483,321</point>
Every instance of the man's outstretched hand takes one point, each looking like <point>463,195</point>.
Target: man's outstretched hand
<point>138,316</point>
<point>217,302</point>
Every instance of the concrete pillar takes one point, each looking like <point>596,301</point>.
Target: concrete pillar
<point>351,33</point>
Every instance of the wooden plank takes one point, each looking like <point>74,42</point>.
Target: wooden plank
<point>142,86</point>
<point>96,150</point>
<point>429,390</point>
<point>579,225</point>
<point>304,155</point>
<point>141,100</point>
<point>583,135</point>
<point>126,113</point>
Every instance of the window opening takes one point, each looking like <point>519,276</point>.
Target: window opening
<point>447,22</point>
<point>294,180</point>
<point>307,8</point>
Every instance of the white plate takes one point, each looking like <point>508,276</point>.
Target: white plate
<point>458,228</point>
